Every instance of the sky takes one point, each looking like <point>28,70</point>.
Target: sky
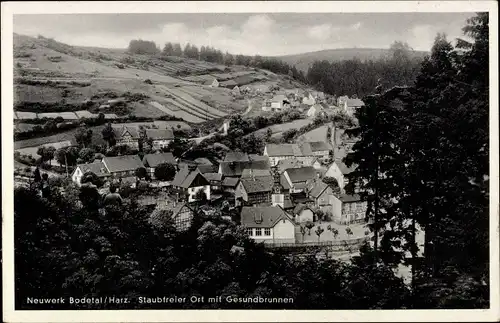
<point>267,34</point>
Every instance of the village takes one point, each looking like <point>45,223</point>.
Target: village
<point>291,194</point>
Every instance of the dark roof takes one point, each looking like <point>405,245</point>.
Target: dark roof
<point>262,216</point>
<point>236,156</point>
<point>299,208</point>
<point>207,169</point>
<point>122,163</point>
<point>275,150</point>
<point>317,189</point>
<point>284,182</point>
<point>249,172</point>
<point>230,182</point>
<point>254,157</point>
<point>175,208</point>
<point>215,177</point>
<point>185,178</point>
<point>319,146</point>
<point>349,198</point>
<point>121,130</point>
<point>157,134</point>
<point>301,174</point>
<point>153,160</point>
<point>258,184</point>
<point>300,198</point>
<point>97,168</point>
<point>285,164</point>
<point>235,169</point>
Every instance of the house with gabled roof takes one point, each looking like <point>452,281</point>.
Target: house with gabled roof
<point>97,168</point>
<point>339,171</point>
<point>188,182</point>
<point>320,192</point>
<point>122,166</point>
<point>308,99</point>
<point>254,190</point>
<point>268,224</point>
<point>277,152</point>
<point>128,136</point>
<point>297,178</point>
<point>303,213</point>
<point>320,149</point>
<point>182,214</point>
<point>160,138</point>
<point>348,209</point>
<point>236,91</point>
<point>151,161</point>
<point>280,102</point>
<point>236,167</point>
<point>212,82</point>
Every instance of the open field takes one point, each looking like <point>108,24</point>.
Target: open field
<point>63,136</point>
<point>50,72</point>
<point>279,128</point>
<point>318,134</point>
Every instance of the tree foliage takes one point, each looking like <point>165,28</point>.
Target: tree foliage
<point>423,160</point>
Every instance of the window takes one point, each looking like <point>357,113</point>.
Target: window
<point>258,232</point>
<point>267,232</point>
<point>359,206</point>
<point>249,231</point>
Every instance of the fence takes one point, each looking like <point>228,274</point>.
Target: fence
<point>338,245</point>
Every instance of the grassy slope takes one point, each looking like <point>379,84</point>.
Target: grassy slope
<point>99,67</point>
<point>303,61</point>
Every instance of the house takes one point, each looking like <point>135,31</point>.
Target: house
<point>236,91</point>
<point>189,182</point>
<point>339,171</point>
<point>204,169</point>
<point>268,224</point>
<point>348,209</point>
<point>254,190</point>
<point>349,105</point>
<point>302,213</point>
<point>308,99</point>
<point>122,166</point>
<point>160,138</point>
<point>229,184</point>
<point>320,149</point>
<point>279,152</point>
<point>215,180</point>
<point>235,168</point>
<point>151,161</point>
<point>182,214</point>
<point>212,83</point>
<point>279,103</point>
<point>297,178</point>
<point>96,168</point>
<point>317,110</point>
<point>289,163</point>
<point>320,193</point>
<point>128,136</point>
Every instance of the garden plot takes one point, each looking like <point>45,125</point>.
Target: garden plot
<point>189,100</point>
<point>318,134</point>
<point>278,129</point>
